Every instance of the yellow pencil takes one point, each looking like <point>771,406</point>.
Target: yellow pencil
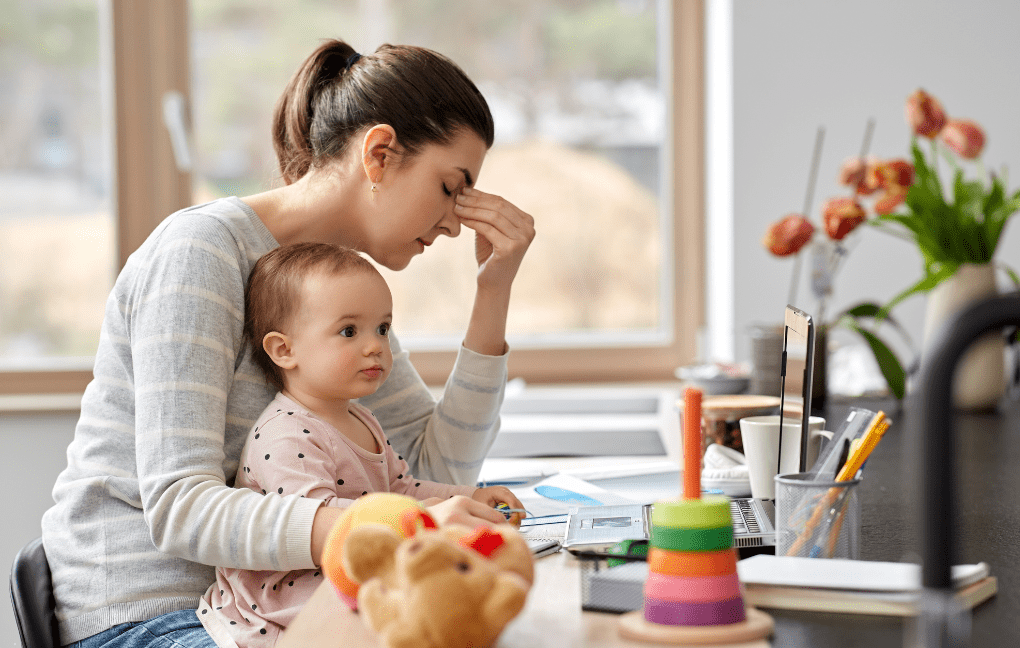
<point>871,439</point>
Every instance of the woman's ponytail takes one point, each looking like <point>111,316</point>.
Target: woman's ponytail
<point>337,92</point>
<point>295,109</point>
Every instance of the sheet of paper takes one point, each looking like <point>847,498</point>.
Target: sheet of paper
<point>538,505</point>
<point>865,575</point>
<point>513,472</point>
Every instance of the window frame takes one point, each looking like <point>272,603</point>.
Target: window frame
<point>148,45</point>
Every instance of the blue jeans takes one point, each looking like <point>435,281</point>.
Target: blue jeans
<point>180,629</point>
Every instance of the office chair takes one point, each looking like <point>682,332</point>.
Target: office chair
<point>32,598</point>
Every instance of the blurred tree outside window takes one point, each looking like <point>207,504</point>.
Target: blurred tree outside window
<point>56,224</point>
<point>575,87</point>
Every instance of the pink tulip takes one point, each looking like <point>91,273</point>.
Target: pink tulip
<point>841,216</point>
<point>873,178</point>
<point>925,114</point>
<point>890,200</point>
<point>851,174</point>
<point>965,138</point>
<point>788,235</point>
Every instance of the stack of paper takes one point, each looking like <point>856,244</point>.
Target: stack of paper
<point>855,586</point>
<point>817,584</point>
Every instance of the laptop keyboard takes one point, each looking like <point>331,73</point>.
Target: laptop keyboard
<point>743,519</point>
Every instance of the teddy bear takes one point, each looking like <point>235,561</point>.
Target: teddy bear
<point>404,515</point>
<point>449,587</point>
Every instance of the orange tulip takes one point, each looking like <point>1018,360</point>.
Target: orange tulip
<point>851,174</point>
<point>890,200</point>
<point>788,235</point>
<point>965,138</point>
<point>925,114</point>
<point>841,216</point>
<point>873,177</point>
<point>896,174</point>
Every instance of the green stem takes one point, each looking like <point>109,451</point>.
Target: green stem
<point>892,232</point>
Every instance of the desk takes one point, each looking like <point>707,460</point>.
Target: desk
<point>988,449</point>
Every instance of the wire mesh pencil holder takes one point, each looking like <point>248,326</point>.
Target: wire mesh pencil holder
<point>817,519</point>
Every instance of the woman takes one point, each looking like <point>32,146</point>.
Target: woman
<point>378,153</point>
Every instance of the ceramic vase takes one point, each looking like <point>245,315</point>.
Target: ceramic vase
<point>979,381</point>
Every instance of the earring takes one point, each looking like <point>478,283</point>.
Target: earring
<point>374,190</point>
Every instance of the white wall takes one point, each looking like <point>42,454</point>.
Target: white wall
<point>33,453</point>
<point>800,64</point>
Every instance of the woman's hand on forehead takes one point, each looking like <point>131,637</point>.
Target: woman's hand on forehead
<point>503,234</point>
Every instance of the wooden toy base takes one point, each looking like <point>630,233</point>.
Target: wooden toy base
<point>757,625</point>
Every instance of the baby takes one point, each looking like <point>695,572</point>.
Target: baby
<point>317,318</point>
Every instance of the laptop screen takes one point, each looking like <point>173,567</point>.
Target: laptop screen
<point>796,375</point>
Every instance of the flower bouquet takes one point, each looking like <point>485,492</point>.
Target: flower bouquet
<point>951,226</point>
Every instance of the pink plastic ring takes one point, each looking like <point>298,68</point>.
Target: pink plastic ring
<point>692,589</point>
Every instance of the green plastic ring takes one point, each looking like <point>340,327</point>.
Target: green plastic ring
<point>672,539</point>
<point>703,513</point>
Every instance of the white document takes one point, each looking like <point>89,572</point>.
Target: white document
<point>538,505</point>
<point>859,575</point>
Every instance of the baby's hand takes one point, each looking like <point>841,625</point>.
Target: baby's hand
<point>495,495</point>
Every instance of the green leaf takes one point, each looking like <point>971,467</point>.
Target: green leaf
<point>997,221</point>
<point>931,280</point>
<point>1011,272</point>
<point>865,309</point>
<point>888,363</point>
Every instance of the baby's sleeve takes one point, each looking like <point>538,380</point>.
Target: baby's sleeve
<point>286,455</point>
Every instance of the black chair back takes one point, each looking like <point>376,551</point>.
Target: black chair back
<point>32,597</point>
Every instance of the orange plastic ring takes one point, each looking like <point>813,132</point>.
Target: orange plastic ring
<point>694,563</point>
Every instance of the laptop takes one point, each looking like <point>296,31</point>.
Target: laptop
<point>594,529</point>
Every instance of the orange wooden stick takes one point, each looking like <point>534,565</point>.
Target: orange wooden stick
<point>692,443</point>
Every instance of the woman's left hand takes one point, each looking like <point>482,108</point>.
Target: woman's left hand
<point>502,235</point>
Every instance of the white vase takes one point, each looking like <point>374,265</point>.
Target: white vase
<point>980,380</point>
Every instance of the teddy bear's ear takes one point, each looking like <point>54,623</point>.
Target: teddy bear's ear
<point>368,550</point>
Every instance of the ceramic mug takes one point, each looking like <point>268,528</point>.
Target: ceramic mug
<point>760,436</point>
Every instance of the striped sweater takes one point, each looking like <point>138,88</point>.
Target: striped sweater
<point>145,508</point>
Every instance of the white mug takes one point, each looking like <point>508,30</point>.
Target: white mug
<point>760,436</point>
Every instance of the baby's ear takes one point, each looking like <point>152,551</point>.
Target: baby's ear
<point>277,347</point>
<point>368,551</point>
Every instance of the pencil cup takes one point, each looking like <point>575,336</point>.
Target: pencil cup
<point>817,519</point>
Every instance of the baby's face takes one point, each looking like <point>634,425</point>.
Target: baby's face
<point>340,336</point>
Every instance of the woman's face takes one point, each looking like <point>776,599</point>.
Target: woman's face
<point>413,202</point>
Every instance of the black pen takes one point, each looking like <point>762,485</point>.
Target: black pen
<point>843,455</point>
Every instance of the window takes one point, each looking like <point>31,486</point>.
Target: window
<point>87,171</point>
<point>598,106</point>
<point>580,94</point>
<point>56,224</point>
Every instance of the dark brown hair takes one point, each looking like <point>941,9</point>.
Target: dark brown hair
<point>336,93</point>
<point>273,293</point>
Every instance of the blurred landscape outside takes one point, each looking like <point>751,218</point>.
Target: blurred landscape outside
<point>576,91</point>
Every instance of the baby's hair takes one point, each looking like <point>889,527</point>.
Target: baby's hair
<point>273,293</point>
<point>336,93</point>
